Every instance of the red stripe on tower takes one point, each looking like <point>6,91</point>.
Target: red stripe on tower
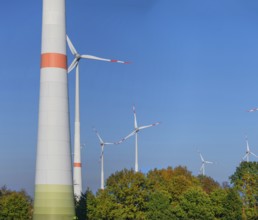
<point>56,60</point>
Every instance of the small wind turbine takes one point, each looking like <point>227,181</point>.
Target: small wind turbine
<point>248,151</point>
<point>77,145</point>
<point>102,145</point>
<point>202,169</point>
<point>253,110</point>
<point>135,132</point>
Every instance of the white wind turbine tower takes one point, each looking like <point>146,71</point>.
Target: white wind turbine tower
<point>77,177</point>
<point>248,151</point>
<point>202,169</point>
<point>135,132</point>
<point>102,145</point>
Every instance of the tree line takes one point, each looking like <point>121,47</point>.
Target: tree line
<point>165,194</point>
<point>174,194</point>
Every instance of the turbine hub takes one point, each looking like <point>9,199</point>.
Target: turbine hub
<point>77,56</point>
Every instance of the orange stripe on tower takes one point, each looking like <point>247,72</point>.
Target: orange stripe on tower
<point>53,60</point>
<point>77,164</point>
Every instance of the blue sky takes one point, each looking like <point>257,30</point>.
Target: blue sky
<point>194,68</point>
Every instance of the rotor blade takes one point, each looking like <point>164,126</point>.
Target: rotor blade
<point>253,154</point>
<point>252,110</point>
<point>135,119</point>
<point>247,144</point>
<point>208,161</point>
<point>72,65</point>
<point>102,59</point>
<point>129,135</point>
<point>245,156</point>
<point>201,157</point>
<point>109,143</point>
<point>120,141</point>
<point>101,141</point>
<point>202,167</point>
<point>148,126</point>
<point>72,48</point>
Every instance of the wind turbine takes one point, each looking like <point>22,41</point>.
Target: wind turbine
<point>202,169</point>
<point>102,145</point>
<point>253,110</point>
<point>77,178</point>
<point>248,151</point>
<point>135,132</point>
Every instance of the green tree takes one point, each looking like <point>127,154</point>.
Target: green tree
<point>208,184</point>
<point>159,206</point>
<point>80,207</point>
<point>175,181</point>
<point>90,204</point>
<point>125,196</point>
<point>103,206</point>
<point>196,205</point>
<point>226,204</point>
<point>217,198</point>
<point>232,205</point>
<point>245,181</point>
<point>15,205</point>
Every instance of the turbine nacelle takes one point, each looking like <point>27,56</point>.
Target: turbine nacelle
<point>77,56</point>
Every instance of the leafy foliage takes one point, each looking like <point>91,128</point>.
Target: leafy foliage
<point>196,204</point>
<point>15,205</point>
<point>173,194</point>
<point>245,181</point>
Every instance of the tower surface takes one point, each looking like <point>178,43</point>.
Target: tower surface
<point>53,185</point>
<point>77,166</point>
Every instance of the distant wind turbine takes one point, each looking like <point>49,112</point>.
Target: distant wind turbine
<point>248,151</point>
<point>102,144</point>
<point>77,146</point>
<point>253,110</point>
<point>202,169</point>
<point>135,132</point>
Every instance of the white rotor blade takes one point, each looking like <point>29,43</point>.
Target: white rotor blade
<point>245,156</point>
<point>201,158</point>
<point>202,167</point>
<point>102,59</point>
<point>134,117</point>
<point>109,143</point>
<point>208,161</point>
<point>253,154</point>
<point>148,126</point>
<point>129,135</point>
<point>73,64</point>
<point>247,144</point>
<point>120,141</point>
<point>100,139</point>
<point>72,48</point>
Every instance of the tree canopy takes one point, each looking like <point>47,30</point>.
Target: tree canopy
<point>15,205</point>
<point>171,193</point>
<point>245,181</point>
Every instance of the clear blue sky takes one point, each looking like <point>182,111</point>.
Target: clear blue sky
<point>194,68</point>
